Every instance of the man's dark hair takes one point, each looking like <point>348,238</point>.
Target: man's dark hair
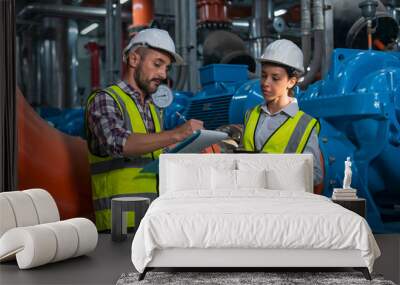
<point>142,51</point>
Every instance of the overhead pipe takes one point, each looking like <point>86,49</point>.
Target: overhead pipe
<point>68,11</point>
<point>53,65</point>
<point>270,11</point>
<point>113,41</point>
<point>259,28</point>
<point>72,99</point>
<point>192,46</point>
<point>306,30</point>
<point>181,35</point>
<point>315,65</point>
<point>186,42</point>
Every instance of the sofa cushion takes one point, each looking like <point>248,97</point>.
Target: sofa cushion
<point>40,244</point>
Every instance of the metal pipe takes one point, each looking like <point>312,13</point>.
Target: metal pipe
<point>270,11</point>
<point>68,12</point>
<point>113,41</point>
<point>117,40</point>
<point>318,14</point>
<point>259,29</point>
<point>328,38</point>
<point>71,99</point>
<point>192,45</point>
<point>306,30</point>
<point>109,43</point>
<point>53,65</point>
<point>181,39</point>
<point>318,20</point>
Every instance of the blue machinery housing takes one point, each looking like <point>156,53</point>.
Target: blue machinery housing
<point>358,106</point>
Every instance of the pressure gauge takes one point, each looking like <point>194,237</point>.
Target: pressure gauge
<point>163,97</point>
<point>279,24</point>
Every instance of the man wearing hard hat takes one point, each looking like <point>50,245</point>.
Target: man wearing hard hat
<point>124,131</point>
<point>277,125</point>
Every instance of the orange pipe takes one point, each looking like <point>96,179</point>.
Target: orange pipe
<point>369,41</point>
<point>379,44</point>
<point>142,13</point>
<point>54,161</point>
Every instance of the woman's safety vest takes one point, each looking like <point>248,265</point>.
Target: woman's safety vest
<point>115,177</point>
<point>291,137</point>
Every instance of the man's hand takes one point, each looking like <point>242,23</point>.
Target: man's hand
<point>187,129</point>
<point>138,144</point>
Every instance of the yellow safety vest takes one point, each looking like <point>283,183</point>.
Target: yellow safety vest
<point>291,137</point>
<point>115,177</point>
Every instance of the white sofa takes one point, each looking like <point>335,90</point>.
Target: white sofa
<point>31,231</point>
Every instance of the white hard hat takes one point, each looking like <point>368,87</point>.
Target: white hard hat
<point>154,38</point>
<point>283,52</point>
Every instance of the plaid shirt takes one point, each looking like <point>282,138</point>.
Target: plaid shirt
<point>106,124</point>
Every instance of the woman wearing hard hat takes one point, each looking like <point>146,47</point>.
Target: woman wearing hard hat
<point>277,125</point>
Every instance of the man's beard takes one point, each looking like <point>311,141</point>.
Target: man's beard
<point>143,84</point>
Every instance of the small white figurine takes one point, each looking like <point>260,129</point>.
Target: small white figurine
<point>347,174</point>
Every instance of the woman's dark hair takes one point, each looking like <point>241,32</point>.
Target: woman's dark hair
<point>291,72</point>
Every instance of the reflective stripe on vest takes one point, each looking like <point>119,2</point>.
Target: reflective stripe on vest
<point>118,163</point>
<point>116,177</point>
<point>291,137</point>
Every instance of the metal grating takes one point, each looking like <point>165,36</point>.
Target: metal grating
<point>213,111</point>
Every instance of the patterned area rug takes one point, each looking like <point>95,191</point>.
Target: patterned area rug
<point>230,278</point>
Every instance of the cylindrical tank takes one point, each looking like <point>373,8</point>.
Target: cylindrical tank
<point>226,47</point>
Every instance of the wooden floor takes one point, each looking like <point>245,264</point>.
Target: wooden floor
<point>111,259</point>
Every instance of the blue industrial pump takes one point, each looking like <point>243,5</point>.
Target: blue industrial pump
<point>358,106</point>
